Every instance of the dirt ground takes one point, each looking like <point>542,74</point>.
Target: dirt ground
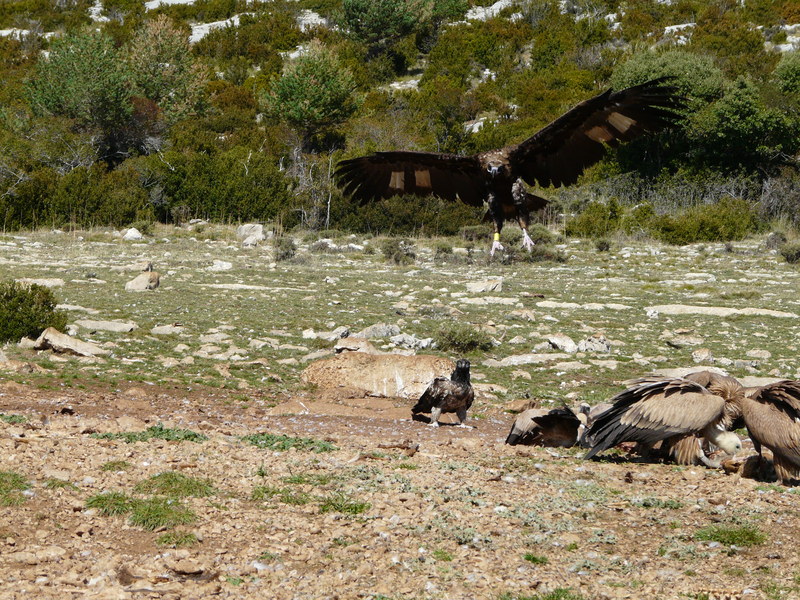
<point>450,512</point>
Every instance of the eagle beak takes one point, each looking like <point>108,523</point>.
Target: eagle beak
<point>494,171</point>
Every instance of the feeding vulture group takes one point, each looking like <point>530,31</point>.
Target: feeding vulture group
<point>686,419</point>
<point>554,156</point>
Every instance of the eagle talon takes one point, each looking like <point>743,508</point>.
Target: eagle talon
<point>496,246</point>
<point>527,242</point>
<point>434,424</point>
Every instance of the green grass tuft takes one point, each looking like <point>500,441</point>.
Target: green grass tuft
<point>111,503</point>
<point>158,512</point>
<point>116,465</point>
<point>11,487</point>
<point>462,338</point>
<point>54,484</point>
<point>287,496</point>
<point>177,485</point>
<point>177,539</point>
<point>535,559</point>
<point>340,502</point>
<point>284,442</point>
<point>732,535</point>
<point>155,432</point>
<point>13,419</point>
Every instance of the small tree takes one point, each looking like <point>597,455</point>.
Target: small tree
<point>382,23</point>
<point>27,310</point>
<point>85,79</point>
<point>314,94</point>
<point>164,70</point>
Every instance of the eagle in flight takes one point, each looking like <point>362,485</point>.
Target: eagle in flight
<point>554,156</point>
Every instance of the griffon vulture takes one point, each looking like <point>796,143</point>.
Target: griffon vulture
<point>681,412</point>
<point>447,395</point>
<point>772,417</point>
<point>557,427</point>
<point>554,156</point>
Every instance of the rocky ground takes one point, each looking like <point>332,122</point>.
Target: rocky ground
<point>349,498</point>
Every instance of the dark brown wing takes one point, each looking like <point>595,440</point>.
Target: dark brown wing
<point>386,174</point>
<point>446,394</point>
<point>558,154</point>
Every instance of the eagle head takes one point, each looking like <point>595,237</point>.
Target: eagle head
<point>461,372</point>
<point>496,169</point>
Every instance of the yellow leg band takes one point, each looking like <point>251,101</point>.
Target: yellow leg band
<point>496,237</point>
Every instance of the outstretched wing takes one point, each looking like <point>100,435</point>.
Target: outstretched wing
<point>558,154</point>
<point>386,174</point>
<point>654,409</point>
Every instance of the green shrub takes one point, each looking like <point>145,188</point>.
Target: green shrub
<point>461,338</point>
<point>539,253</point>
<point>791,252</point>
<point>598,219</point>
<point>475,233</point>
<point>729,219</point>
<point>285,248</point>
<point>399,251</point>
<point>602,245</point>
<point>732,535</point>
<point>27,310</point>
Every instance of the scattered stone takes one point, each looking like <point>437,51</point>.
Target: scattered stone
<point>703,355</point>
<point>759,354</point>
<point>56,341</point>
<point>221,265</point>
<point>387,375</point>
<point>519,373</point>
<point>378,330</point>
<point>132,235</point>
<point>331,336</point>
<point>524,359</point>
<point>595,343</point>
<point>488,285</point>
<point>409,341</point>
<point>562,342</point>
<point>149,280</point>
<point>251,230</point>
<point>49,283</point>
<point>252,241</point>
<point>523,314</point>
<point>171,329</point>
<point>717,311</point>
<point>115,326</point>
<point>355,344</point>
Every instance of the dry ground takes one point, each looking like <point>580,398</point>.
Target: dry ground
<point>389,508</point>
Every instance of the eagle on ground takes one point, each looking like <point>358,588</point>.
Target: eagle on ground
<point>554,156</point>
<point>556,427</point>
<point>447,395</point>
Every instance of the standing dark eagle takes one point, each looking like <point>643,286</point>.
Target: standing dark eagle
<point>447,395</point>
<point>554,156</point>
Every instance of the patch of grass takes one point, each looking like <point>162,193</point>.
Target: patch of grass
<point>558,594</point>
<point>176,485</point>
<point>442,555</point>
<point>111,503</point>
<point>11,487</point>
<point>535,559</point>
<point>287,496</point>
<point>154,513</point>
<point>341,503</point>
<point>284,442</point>
<point>13,419</point>
<point>177,539</point>
<point>116,465</point>
<point>407,465</point>
<point>732,535</point>
<point>155,432</point>
<point>314,479</point>
<point>55,484</point>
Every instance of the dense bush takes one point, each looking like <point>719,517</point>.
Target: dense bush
<point>27,310</point>
<point>729,219</point>
<point>598,219</point>
<point>791,252</point>
<point>398,251</point>
<point>462,338</point>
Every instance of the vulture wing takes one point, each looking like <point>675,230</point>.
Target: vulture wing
<point>775,419</point>
<point>652,410</point>
<point>558,154</point>
<point>386,174</point>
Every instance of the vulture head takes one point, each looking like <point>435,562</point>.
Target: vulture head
<point>728,441</point>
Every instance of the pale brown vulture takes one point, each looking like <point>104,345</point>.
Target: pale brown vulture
<point>554,156</point>
<point>447,395</point>
<point>772,417</point>
<point>557,427</point>
<point>681,412</point>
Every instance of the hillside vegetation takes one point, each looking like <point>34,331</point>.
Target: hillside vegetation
<point>233,110</point>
